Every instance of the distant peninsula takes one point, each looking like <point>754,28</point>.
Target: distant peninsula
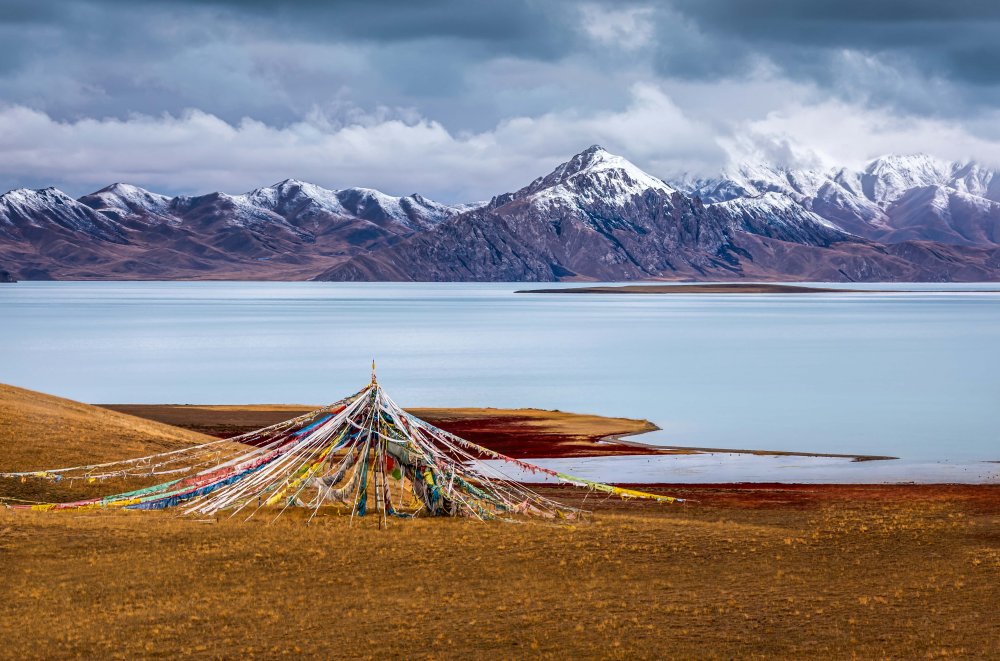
<point>724,288</point>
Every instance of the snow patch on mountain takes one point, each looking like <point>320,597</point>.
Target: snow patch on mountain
<point>780,208</point>
<point>889,177</point>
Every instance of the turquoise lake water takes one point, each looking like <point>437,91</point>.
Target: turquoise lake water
<point>914,375</point>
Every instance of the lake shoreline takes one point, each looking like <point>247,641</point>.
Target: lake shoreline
<point>524,433</point>
<point>691,449</point>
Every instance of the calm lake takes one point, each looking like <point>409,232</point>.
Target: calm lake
<point>914,375</point>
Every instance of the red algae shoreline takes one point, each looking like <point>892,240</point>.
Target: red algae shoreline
<point>759,495</point>
<point>520,433</point>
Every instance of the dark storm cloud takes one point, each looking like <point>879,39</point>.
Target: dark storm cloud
<point>273,61</point>
<point>27,11</point>
<point>277,61</point>
<point>958,39</point>
<point>775,16</point>
<point>233,94</point>
<point>517,25</point>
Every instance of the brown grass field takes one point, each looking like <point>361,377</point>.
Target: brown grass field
<point>765,571</point>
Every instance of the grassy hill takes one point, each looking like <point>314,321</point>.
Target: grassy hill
<point>40,431</point>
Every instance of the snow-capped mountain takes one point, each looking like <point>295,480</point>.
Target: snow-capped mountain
<point>39,228</point>
<point>123,203</point>
<point>25,212</point>
<point>302,203</point>
<point>595,217</point>
<point>593,175</point>
<point>583,217</point>
<point>290,229</point>
<point>600,217</point>
<point>894,198</point>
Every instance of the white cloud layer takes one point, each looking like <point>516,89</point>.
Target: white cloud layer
<point>400,152</point>
<point>836,133</point>
<point>395,152</point>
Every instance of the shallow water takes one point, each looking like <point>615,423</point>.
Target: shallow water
<point>914,375</point>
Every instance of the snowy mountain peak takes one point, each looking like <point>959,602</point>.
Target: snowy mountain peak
<point>285,183</point>
<point>297,186</point>
<point>121,188</point>
<point>594,174</point>
<point>592,156</point>
<point>295,195</point>
<point>33,203</point>
<point>50,207</point>
<point>413,211</point>
<point>120,200</point>
<point>908,163</point>
<point>28,195</point>
<point>597,159</point>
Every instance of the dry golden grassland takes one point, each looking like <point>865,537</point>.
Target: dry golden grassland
<point>913,575</point>
<point>742,572</point>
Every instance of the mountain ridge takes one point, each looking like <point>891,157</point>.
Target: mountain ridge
<point>596,216</point>
<point>615,225</point>
<point>960,204</point>
<point>289,230</point>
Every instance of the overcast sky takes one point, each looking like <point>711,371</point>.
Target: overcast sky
<point>459,100</point>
